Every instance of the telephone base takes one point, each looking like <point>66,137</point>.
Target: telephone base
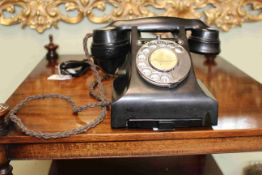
<point>137,103</point>
<point>187,106</point>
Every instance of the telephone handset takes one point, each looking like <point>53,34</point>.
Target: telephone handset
<point>156,85</point>
<point>111,43</point>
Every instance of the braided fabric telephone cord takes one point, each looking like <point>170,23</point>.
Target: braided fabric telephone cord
<point>100,97</point>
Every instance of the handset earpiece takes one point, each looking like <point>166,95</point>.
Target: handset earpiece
<point>204,41</point>
<point>109,48</point>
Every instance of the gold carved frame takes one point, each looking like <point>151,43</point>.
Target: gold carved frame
<point>43,14</point>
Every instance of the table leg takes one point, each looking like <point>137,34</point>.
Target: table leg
<point>4,109</point>
<point>5,167</point>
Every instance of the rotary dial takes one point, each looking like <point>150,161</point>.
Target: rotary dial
<point>163,62</point>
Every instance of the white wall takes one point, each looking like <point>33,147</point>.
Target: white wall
<point>21,50</point>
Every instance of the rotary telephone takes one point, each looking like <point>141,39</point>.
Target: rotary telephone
<point>155,86</point>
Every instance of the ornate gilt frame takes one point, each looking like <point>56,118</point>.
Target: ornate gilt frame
<point>43,14</point>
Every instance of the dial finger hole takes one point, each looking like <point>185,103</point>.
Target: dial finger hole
<point>146,72</point>
<point>141,58</point>
<point>178,50</point>
<point>171,45</point>
<point>165,79</point>
<point>142,65</point>
<point>153,46</point>
<point>145,51</point>
<point>155,77</point>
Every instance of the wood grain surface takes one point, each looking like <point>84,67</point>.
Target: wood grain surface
<point>148,148</point>
<point>239,125</point>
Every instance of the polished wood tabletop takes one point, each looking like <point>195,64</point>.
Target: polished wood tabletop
<point>239,123</point>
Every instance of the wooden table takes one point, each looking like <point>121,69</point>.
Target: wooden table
<point>239,127</point>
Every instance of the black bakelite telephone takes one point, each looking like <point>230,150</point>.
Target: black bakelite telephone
<point>156,86</point>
